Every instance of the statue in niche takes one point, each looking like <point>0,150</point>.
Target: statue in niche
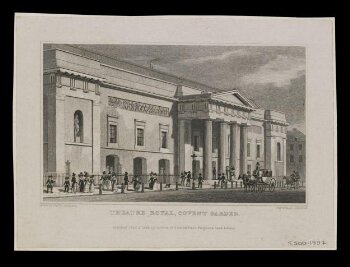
<point>76,127</point>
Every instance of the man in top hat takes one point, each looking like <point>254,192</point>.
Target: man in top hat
<point>188,178</point>
<point>182,178</point>
<point>223,179</point>
<point>200,180</point>
<point>49,184</point>
<point>74,182</point>
<point>81,182</point>
<point>66,184</point>
<point>126,179</point>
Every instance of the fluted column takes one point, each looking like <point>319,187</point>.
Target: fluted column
<point>234,142</point>
<point>181,143</point>
<point>208,136</point>
<point>222,148</point>
<point>243,156</point>
<point>96,126</point>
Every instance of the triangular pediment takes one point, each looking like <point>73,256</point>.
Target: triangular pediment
<point>235,97</point>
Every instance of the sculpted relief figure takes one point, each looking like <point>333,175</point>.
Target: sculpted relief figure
<point>76,126</point>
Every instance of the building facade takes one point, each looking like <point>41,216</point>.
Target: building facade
<point>296,154</point>
<point>100,113</point>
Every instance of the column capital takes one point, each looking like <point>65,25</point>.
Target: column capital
<point>244,125</point>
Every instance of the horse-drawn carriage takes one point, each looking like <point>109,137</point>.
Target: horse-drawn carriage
<point>260,181</point>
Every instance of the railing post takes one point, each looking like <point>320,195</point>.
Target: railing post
<point>193,185</point>
<point>236,184</point>
<point>160,186</point>
<point>225,185</point>
<point>123,188</point>
<point>177,186</point>
<point>214,185</point>
<point>142,187</point>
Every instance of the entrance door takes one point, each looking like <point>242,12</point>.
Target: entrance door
<point>164,170</point>
<point>110,163</point>
<point>140,167</point>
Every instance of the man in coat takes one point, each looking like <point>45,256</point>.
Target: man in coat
<point>49,184</point>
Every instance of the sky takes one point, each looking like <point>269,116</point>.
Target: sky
<point>273,76</point>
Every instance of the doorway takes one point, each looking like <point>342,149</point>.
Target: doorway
<point>113,164</point>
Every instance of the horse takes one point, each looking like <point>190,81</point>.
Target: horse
<point>249,182</point>
<point>290,181</point>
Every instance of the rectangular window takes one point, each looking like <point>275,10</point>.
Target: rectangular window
<point>249,168</point>
<point>258,151</point>
<point>300,147</point>
<point>97,89</point>
<point>72,83</point>
<point>300,158</point>
<point>52,78</point>
<point>112,133</point>
<point>140,137</point>
<point>164,139</point>
<point>196,143</point>
<point>228,145</point>
<point>248,149</point>
<point>85,86</point>
<point>214,142</point>
<point>291,147</point>
<point>291,158</point>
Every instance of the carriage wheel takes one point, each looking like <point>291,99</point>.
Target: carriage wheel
<point>252,188</point>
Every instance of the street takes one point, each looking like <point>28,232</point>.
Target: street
<point>280,195</point>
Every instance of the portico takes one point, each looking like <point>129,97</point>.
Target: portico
<point>198,115</point>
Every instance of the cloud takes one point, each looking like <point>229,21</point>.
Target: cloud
<point>220,57</point>
<point>279,71</point>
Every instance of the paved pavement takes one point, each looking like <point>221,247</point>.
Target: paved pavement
<point>236,195</point>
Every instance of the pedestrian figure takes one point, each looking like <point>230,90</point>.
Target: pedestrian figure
<point>86,182</point>
<point>232,173</point>
<point>126,180</point>
<point>81,182</point>
<point>113,180</point>
<point>109,180</point>
<point>188,179</point>
<point>66,184</point>
<point>74,183</point>
<point>91,184</point>
<point>183,178</point>
<point>219,179</point>
<point>49,184</point>
<point>135,181</point>
<point>103,180</point>
<point>214,172</point>
<point>152,181</point>
<point>223,179</point>
<point>200,180</point>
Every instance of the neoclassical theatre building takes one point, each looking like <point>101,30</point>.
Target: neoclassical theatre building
<point>100,113</point>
